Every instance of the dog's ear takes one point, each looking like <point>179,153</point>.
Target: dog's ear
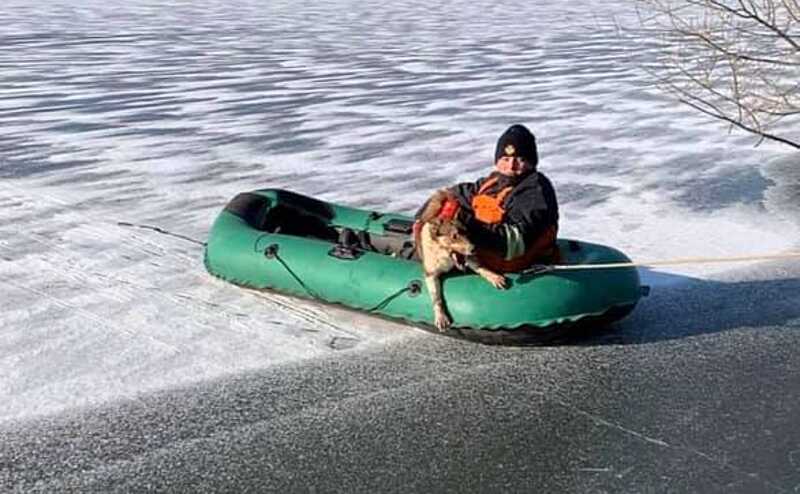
<point>434,205</point>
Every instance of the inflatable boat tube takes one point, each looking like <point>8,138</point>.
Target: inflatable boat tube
<point>278,240</point>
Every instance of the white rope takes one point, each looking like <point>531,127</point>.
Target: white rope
<point>676,261</point>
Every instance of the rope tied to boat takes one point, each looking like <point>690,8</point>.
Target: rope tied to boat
<point>534,270</point>
<point>413,288</point>
<point>160,230</point>
<point>537,269</point>
<point>271,252</point>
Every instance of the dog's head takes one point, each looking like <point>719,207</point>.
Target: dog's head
<point>450,234</point>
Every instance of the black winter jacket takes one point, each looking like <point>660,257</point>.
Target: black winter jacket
<point>531,208</point>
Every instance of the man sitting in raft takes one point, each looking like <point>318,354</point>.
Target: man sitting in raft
<point>511,215</point>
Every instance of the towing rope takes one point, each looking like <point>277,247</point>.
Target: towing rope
<point>160,230</point>
<point>536,268</point>
<point>414,287</point>
<point>544,268</point>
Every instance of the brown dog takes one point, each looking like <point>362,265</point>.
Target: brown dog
<point>443,245</point>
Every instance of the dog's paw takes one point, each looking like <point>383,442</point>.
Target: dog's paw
<point>497,280</point>
<point>442,322</point>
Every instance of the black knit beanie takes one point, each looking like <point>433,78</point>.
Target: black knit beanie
<point>517,141</point>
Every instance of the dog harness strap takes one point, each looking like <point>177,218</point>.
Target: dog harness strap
<point>489,208</point>
<point>487,184</point>
<point>449,209</point>
<point>503,194</point>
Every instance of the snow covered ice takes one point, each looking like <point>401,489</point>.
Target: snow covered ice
<point>158,113</point>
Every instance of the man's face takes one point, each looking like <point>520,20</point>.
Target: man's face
<point>512,166</point>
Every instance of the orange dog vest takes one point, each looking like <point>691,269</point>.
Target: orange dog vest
<point>489,208</point>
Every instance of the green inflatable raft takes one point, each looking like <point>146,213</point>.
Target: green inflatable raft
<point>279,240</point>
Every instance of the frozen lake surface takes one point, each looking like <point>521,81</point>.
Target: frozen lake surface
<point>158,113</point>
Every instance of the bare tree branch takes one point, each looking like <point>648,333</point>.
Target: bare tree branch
<point>793,8</point>
<point>741,56</point>
<point>735,60</point>
<point>769,25</point>
<point>742,126</point>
